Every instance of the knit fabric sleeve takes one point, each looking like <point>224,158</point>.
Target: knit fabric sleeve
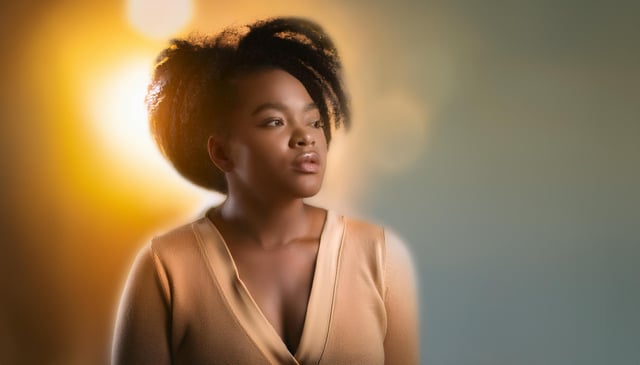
<point>142,332</point>
<point>401,340</point>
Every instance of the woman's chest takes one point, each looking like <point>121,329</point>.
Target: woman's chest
<point>279,282</point>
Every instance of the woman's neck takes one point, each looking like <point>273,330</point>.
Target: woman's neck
<point>267,224</point>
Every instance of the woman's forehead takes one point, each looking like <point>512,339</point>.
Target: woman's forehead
<point>271,89</point>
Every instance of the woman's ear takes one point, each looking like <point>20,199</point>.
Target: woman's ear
<point>218,153</point>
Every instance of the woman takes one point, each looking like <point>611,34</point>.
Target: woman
<point>262,278</point>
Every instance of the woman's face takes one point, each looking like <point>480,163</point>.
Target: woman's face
<point>276,145</point>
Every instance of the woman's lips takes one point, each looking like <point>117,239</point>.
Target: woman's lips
<point>308,163</point>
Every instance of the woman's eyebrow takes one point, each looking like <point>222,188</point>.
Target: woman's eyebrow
<point>280,107</point>
<point>311,106</point>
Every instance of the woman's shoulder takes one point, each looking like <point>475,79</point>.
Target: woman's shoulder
<point>178,240</point>
<point>374,231</point>
<point>394,249</point>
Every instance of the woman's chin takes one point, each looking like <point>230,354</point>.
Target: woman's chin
<point>307,192</point>
<point>307,189</point>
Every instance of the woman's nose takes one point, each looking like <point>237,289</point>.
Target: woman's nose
<point>302,138</point>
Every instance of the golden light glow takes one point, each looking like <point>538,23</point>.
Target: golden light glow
<point>116,106</point>
<point>159,18</point>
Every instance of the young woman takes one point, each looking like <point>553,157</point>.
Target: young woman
<point>263,278</point>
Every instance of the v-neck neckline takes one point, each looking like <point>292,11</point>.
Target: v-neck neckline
<point>246,310</point>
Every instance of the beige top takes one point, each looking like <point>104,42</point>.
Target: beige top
<point>184,303</point>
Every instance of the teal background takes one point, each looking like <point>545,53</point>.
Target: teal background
<point>523,210</point>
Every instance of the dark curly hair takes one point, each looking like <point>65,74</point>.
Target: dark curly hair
<point>192,82</point>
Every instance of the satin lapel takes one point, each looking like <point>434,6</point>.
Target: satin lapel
<point>320,305</point>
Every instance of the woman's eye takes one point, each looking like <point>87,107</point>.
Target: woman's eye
<point>317,124</point>
<point>274,123</point>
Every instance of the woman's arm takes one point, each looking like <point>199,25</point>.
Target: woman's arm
<point>401,342</point>
<point>142,326</point>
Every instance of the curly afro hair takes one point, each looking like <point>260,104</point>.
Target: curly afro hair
<point>191,86</point>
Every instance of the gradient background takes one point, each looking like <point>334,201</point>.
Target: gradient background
<point>500,138</point>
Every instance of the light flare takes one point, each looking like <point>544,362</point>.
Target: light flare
<point>116,106</point>
<point>159,19</point>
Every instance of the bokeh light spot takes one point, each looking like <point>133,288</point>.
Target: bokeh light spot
<point>159,18</point>
<point>399,122</point>
<point>116,105</point>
